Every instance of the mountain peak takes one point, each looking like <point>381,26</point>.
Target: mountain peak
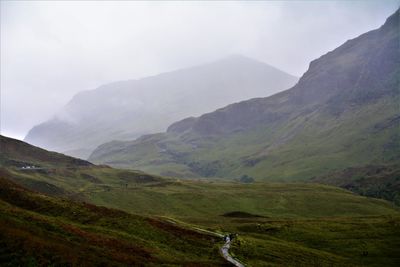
<point>241,59</point>
<point>394,18</point>
<point>126,110</point>
<point>245,63</point>
<point>238,57</point>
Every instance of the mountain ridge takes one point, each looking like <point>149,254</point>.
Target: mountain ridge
<point>327,121</point>
<point>128,109</point>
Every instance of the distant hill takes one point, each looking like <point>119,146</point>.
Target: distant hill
<point>15,153</point>
<point>343,112</point>
<point>126,110</point>
<point>56,174</point>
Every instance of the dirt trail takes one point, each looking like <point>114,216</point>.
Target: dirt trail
<point>225,252</point>
<point>224,249</point>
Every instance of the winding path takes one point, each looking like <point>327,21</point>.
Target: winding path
<point>226,255</point>
<point>224,249</point>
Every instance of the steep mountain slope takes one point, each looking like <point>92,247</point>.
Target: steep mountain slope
<point>380,181</point>
<point>343,112</point>
<point>128,109</point>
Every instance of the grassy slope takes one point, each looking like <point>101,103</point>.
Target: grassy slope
<point>355,241</point>
<point>298,149</point>
<point>72,181</point>
<point>189,199</point>
<point>324,143</point>
<point>380,181</point>
<point>343,112</point>
<point>296,224</point>
<point>145,194</point>
<point>301,224</point>
<point>42,230</point>
<point>16,153</point>
<point>60,175</point>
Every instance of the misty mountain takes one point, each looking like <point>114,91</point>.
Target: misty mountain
<point>128,109</point>
<point>343,112</point>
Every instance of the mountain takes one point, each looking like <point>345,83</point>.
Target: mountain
<point>128,109</point>
<point>379,181</point>
<point>343,112</point>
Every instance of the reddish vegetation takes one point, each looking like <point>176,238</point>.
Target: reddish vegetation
<point>33,236</point>
<point>47,248</point>
<point>38,230</point>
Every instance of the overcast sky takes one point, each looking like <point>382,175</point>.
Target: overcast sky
<point>52,50</point>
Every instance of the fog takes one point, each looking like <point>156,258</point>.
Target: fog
<point>52,50</point>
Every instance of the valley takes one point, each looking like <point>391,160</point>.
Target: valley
<point>275,223</point>
<point>227,163</point>
<point>343,113</point>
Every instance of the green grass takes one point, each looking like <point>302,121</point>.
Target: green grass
<point>212,199</point>
<point>380,181</point>
<point>145,194</point>
<point>355,241</point>
<point>295,224</point>
<point>289,224</point>
<point>296,149</point>
<point>15,153</point>
<point>38,230</point>
<point>299,224</point>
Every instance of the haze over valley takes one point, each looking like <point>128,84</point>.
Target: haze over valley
<point>200,133</point>
<point>126,110</point>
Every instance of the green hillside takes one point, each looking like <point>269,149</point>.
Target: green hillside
<point>142,193</point>
<point>38,230</point>
<point>371,180</point>
<point>278,223</point>
<point>15,153</point>
<point>192,201</point>
<point>339,126</point>
<point>343,112</point>
<point>321,143</point>
<point>356,241</point>
<point>282,224</point>
<point>57,174</point>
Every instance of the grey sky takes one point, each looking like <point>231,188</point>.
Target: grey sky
<point>51,50</point>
